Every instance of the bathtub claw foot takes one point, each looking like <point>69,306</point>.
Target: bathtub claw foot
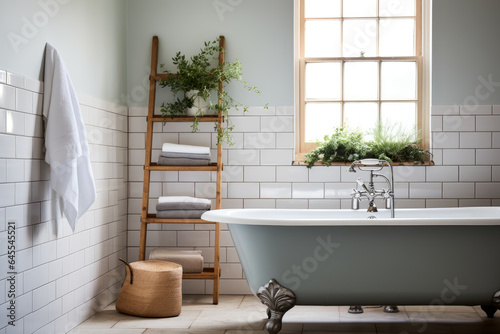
<point>355,309</point>
<point>391,309</point>
<point>491,309</point>
<point>278,300</point>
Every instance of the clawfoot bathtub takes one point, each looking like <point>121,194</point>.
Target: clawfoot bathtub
<point>344,257</point>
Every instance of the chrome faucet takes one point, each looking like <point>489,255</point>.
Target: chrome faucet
<point>369,192</point>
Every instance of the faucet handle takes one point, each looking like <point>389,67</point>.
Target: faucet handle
<point>388,198</point>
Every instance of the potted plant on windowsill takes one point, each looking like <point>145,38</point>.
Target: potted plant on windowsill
<point>197,79</point>
<point>391,143</point>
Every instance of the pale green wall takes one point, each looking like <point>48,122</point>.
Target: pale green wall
<point>466,45</point>
<point>106,44</point>
<point>89,34</point>
<point>258,32</point>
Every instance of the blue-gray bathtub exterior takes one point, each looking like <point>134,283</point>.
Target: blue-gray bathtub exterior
<point>373,265</point>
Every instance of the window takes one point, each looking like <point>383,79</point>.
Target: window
<point>360,62</point>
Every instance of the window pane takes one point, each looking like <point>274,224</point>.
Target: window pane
<point>360,38</point>
<point>397,7</point>
<point>322,38</point>
<point>322,119</point>
<point>399,80</point>
<point>402,114</point>
<point>323,81</point>
<point>362,115</point>
<point>322,8</point>
<point>361,80</point>
<point>397,37</point>
<point>360,8</point>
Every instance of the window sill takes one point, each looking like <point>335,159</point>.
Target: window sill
<point>348,163</point>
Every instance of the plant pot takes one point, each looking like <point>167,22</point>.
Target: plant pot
<point>200,106</point>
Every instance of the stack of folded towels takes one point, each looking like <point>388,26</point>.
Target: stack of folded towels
<point>182,207</point>
<point>190,260</point>
<point>184,155</point>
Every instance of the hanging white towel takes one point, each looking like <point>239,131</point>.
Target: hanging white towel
<point>67,150</point>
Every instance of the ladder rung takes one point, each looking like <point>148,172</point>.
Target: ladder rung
<point>154,167</point>
<point>163,119</point>
<point>163,76</point>
<point>208,273</point>
<point>151,219</point>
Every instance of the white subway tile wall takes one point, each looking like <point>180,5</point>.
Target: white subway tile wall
<point>258,173</point>
<point>62,277</point>
<point>69,276</point>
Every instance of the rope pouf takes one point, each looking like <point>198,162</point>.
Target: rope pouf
<point>151,289</point>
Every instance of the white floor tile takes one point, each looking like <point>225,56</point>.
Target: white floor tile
<point>439,308</point>
<point>373,315</point>
<point>238,314</point>
<point>235,319</point>
<point>417,327</point>
<point>107,318</point>
<point>183,321</point>
<point>250,302</point>
<point>181,331</point>
<point>79,330</point>
<point>312,314</point>
<point>449,317</point>
<point>339,328</point>
<point>252,331</point>
<point>205,302</point>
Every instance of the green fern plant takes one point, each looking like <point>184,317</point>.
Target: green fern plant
<point>389,142</point>
<point>396,144</point>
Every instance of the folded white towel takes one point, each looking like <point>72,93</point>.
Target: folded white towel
<point>183,199</point>
<point>178,148</point>
<point>67,150</point>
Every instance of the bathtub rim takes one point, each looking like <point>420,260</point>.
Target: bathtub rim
<point>230,216</point>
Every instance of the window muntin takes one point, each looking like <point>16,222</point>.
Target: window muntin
<point>360,63</point>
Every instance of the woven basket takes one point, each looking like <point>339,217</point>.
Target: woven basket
<point>151,289</point>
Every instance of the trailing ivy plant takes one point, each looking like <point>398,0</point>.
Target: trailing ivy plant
<point>390,143</point>
<point>202,73</point>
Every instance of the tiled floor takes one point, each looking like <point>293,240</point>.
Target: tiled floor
<point>237,314</point>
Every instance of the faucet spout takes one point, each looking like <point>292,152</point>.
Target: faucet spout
<point>372,207</point>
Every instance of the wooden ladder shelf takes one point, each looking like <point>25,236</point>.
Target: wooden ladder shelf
<point>147,218</point>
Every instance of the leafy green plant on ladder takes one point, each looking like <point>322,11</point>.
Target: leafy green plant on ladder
<point>197,79</point>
